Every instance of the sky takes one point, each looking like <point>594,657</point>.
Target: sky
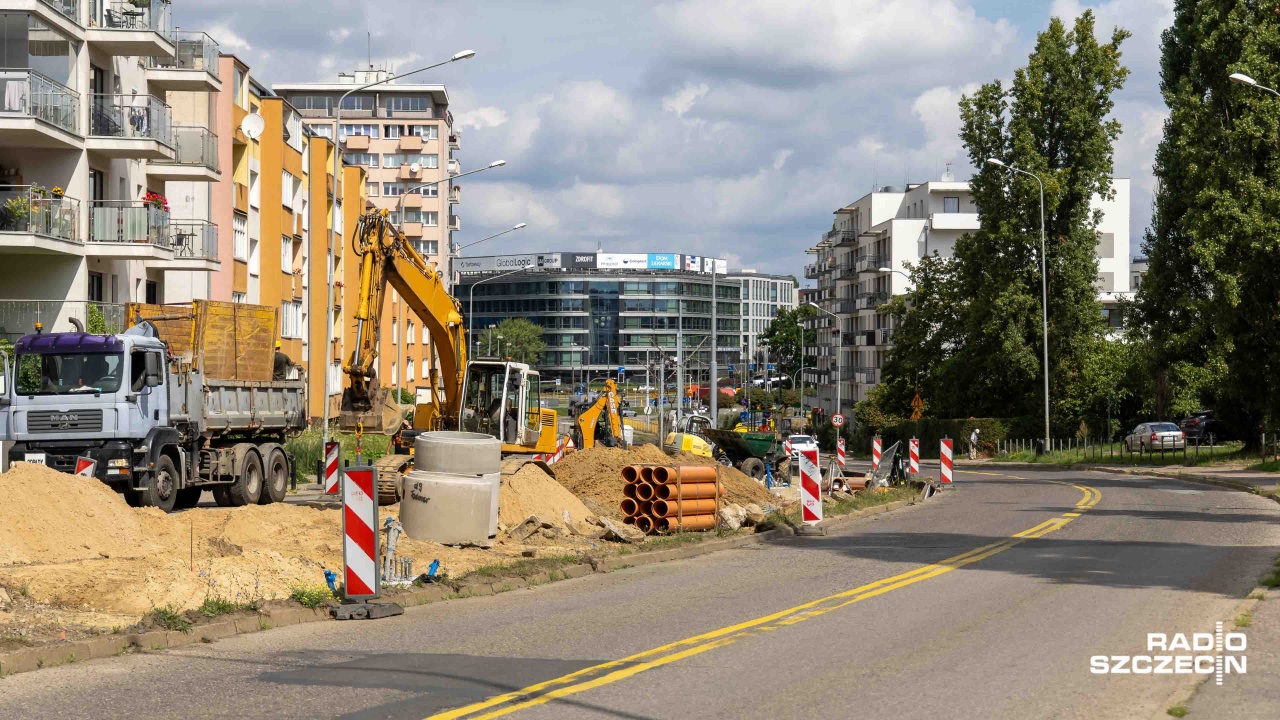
<point>731,128</point>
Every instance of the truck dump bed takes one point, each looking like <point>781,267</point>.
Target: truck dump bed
<point>222,340</point>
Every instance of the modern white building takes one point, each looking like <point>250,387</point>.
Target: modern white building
<point>862,261</point>
<point>762,296</point>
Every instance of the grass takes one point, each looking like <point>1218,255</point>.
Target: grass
<point>310,596</point>
<point>1178,711</point>
<point>1113,454</point>
<point>1272,579</point>
<point>1245,619</point>
<point>836,508</point>
<point>1267,466</point>
<point>214,606</point>
<point>169,618</point>
<point>307,451</point>
<point>524,568</point>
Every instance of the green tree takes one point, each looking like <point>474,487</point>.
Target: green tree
<point>926,331</point>
<point>1210,301</point>
<point>521,340</point>
<point>783,336</point>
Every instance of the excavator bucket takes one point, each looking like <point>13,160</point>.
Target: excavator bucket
<point>382,415</point>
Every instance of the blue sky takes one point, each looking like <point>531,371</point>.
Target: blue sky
<point>709,127</point>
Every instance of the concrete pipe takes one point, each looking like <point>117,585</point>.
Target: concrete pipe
<point>629,490</point>
<point>691,491</point>
<point>457,453</point>
<point>445,508</point>
<point>686,473</point>
<point>644,491</point>
<point>630,473</point>
<point>644,523</point>
<point>630,507</point>
<point>672,508</point>
<point>692,523</point>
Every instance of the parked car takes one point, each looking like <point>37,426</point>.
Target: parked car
<point>1149,437</point>
<point>801,442</point>
<point>1203,426</point>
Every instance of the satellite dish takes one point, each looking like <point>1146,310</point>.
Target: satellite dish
<point>415,168</point>
<point>252,126</point>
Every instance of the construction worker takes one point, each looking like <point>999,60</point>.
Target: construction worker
<point>280,368</point>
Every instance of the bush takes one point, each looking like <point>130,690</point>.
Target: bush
<point>310,596</point>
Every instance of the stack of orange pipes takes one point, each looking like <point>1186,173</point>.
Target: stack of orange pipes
<point>660,498</point>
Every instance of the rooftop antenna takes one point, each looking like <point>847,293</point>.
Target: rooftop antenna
<point>368,44</point>
<point>948,176</point>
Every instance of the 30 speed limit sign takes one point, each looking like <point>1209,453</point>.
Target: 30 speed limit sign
<point>837,420</point>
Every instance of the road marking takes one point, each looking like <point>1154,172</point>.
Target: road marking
<point>615,670</point>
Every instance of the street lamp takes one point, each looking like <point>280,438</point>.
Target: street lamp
<point>416,188</point>
<point>499,346</point>
<point>471,300</point>
<point>839,379</point>
<point>460,248</point>
<point>489,350</point>
<point>1044,286</point>
<point>796,375</point>
<point>1246,80</point>
<point>333,215</point>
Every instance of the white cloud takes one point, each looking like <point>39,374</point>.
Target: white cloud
<point>682,100</point>
<point>780,158</point>
<point>597,199</point>
<point>938,110</point>
<point>339,34</point>
<point>228,41</point>
<point>481,117</point>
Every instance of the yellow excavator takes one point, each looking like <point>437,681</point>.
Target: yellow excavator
<point>494,397</point>
<point>601,419</point>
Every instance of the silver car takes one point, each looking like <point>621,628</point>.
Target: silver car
<point>1150,437</point>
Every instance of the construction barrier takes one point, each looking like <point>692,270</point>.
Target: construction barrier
<point>875,453</point>
<point>86,467</point>
<point>840,453</point>
<point>331,477</point>
<point>914,445</point>
<point>810,487</point>
<point>945,475</point>
<point>359,533</point>
<point>659,498</point>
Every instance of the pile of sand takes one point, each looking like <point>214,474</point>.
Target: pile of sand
<point>595,474</point>
<point>532,492</point>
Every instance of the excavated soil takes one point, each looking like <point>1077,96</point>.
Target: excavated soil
<point>532,492</point>
<point>596,475</point>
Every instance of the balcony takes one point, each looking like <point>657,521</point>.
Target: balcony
<point>886,336</point>
<point>811,271</point>
<point>872,300</point>
<point>193,66</point>
<point>455,168</point>
<point>840,237</point>
<point>455,195</point>
<point>410,143</point>
<point>407,173</point>
<point>871,263</point>
<point>412,200</point>
<point>195,157</point>
<point>954,221</point>
<point>455,222</point>
<point>195,246</point>
<point>846,272</point>
<point>136,127</point>
<point>355,143</point>
<point>31,221</point>
<point>129,229</point>
<point>412,229</point>
<point>844,306</point>
<point>124,28</point>
<point>455,140</point>
<point>38,112</point>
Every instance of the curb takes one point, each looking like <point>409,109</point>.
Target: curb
<point>29,659</point>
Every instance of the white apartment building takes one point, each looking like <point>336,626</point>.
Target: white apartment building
<point>88,127</point>
<point>762,296</point>
<point>862,261</point>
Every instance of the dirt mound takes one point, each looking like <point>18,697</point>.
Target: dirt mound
<point>532,492</point>
<point>595,474</point>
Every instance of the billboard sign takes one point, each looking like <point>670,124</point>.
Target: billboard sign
<point>503,263</point>
<point>578,260</point>
<point>617,261</point>
<point>662,261</point>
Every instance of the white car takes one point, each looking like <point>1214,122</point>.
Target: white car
<point>801,442</point>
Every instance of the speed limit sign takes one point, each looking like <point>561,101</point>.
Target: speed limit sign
<point>837,420</point>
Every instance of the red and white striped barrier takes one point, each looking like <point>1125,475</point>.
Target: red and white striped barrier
<point>810,487</point>
<point>945,459</point>
<point>360,533</point>
<point>563,446</point>
<point>331,477</point>
<point>86,467</point>
<point>875,453</point>
<point>786,446</point>
<point>914,444</point>
<point>840,452</point>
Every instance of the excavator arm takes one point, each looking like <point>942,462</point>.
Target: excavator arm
<point>386,256</point>
<point>588,419</point>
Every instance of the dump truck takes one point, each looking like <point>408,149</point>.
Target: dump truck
<point>181,402</point>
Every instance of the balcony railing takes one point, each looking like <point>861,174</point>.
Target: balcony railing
<point>128,221</point>
<point>70,8</point>
<point>24,209</point>
<point>19,317</point>
<point>194,50</point>
<point>455,222</point>
<point>194,239</point>
<point>871,263</point>
<point>131,116</point>
<point>455,168</point>
<point>195,146</point>
<point>455,195</point>
<point>131,15</point>
<point>31,94</point>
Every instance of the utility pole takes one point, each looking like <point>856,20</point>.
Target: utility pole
<point>713,370</point>
<point>662,396</point>
<point>680,373</point>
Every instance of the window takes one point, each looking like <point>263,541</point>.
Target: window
<point>237,87</point>
<point>412,215</point>
<point>324,131</point>
<point>1137,281</point>
<point>393,160</point>
<point>358,102</point>
<point>95,286</point>
<point>366,159</point>
<point>312,102</point>
<point>370,131</point>
<point>395,376</point>
<point>426,132</point>
<point>255,190</point>
<point>950,204</point>
<point>395,333</point>
<point>290,319</point>
<point>431,218</point>
<point>239,297</point>
<point>240,230</point>
<point>393,131</point>
<point>409,104</point>
<point>427,247</point>
<point>424,334</point>
<point>408,370</point>
<point>286,254</point>
<point>286,189</point>
<point>408,333</point>
<point>394,189</point>
<point>293,131</point>
<point>371,189</point>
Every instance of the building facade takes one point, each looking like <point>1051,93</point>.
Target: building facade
<point>763,295</point>
<point>863,261</point>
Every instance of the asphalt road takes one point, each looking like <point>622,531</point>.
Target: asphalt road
<point>987,603</point>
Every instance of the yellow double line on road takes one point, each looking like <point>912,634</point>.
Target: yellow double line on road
<point>615,670</point>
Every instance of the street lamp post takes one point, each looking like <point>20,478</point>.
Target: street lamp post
<point>471,300</point>
<point>1246,80</point>
<point>489,350</point>
<point>499,346</point>
<point>839,379</point>
<point>333,218</point>
<point>416,188</point>
<point>518,226</point>
<point>1044,288</point>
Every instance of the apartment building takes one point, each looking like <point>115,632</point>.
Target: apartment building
<point>402,137</point>
<point>862,262</point>
<point>90,145</point>
<point>762,296</point>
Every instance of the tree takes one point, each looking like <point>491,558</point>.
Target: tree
<point>783,337</point>
<point>1210,301</point>
<point>521,340</point>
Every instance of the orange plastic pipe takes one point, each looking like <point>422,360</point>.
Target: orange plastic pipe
<point>629,520</point>
<point>630,507</point>
<point>646,473</point>
<point>644,523</point>
<point>691,522</point>
<point>644,491</point>
<point>686,473</point>
<point>629,490</point>
<point>671,508</point>
<point>644,507</point>
<point>630,473</point>
<point>692,491</point>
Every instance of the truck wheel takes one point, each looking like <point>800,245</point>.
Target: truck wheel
<point>222,495</point>
<point>753,467</point>
<point>162,489</point>
<point>248,487</point>
<point>276,481</point>
<point>188,498</point>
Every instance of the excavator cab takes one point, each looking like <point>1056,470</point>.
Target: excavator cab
<point>504,399</point>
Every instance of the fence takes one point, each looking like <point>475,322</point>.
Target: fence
<point>19,317</point>
<point>1188,451</point>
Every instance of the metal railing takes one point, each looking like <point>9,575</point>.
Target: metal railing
<point>128,221</point>
<point>27,92</point>
<point>194,50</point>
<point>131,116</point>
<point>194,239</point>
<point>69,8</point>
<point>25,211</point>
<point>455,168</point>
<point>871,263</point>
<point>19,317</point>
<point>195,146</point>
<point>134,15</point>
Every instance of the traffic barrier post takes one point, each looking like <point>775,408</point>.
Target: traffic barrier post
<point>914,444</point>
<point>810,488</point>
<point>360,533</point>
<point>944,462</point>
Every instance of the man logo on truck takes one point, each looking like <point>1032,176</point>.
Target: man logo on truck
<point>64,422</point>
